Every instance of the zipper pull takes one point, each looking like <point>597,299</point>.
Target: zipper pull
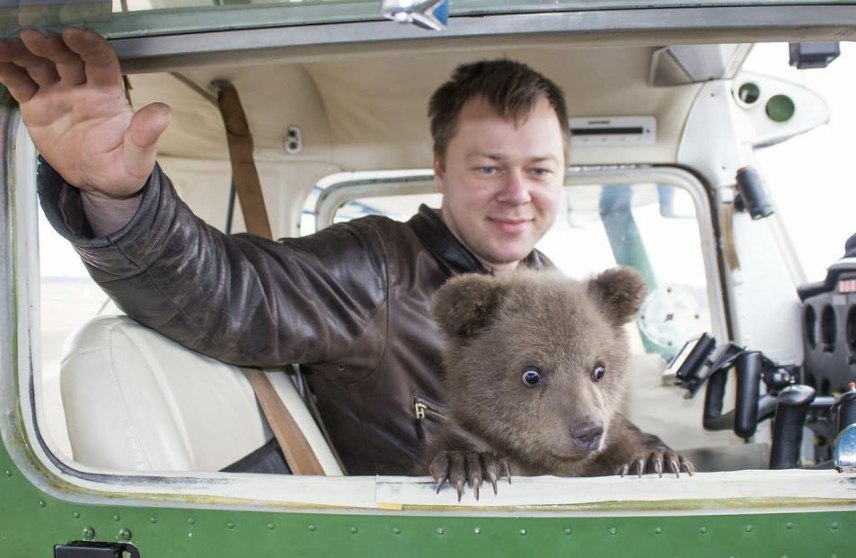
<point>420,410</point>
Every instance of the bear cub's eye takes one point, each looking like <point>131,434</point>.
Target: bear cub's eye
<point>531,377</point>
<point>597,372</point>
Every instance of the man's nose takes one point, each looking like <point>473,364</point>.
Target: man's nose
<point>515,189</point>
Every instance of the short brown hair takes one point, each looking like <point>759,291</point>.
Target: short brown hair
<point>510,88</point>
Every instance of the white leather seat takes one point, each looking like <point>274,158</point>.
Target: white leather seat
<point>136,401</point>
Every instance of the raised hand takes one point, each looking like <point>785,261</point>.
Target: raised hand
<point>69,88</point>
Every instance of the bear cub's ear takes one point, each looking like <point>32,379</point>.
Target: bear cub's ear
<point>465,304</point>
<point>620,292</point>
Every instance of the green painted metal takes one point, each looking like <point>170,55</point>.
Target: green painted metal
<point>209,15</point>
<point>31,522</point>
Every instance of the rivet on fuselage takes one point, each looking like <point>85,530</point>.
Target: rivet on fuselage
<point>353,530</point>
<point>658,530</point>
<point>477,530</point>
<point>748,528</point>
<point>613,530</point>
<point>123,534</point>
<point>311,528</point>
<point>440,531</point>
<point>88,533</point>
<point>270,526</point>
<point>230,524</point>
<point>568,532</point>
<point>523,532</point>
<point>703,530</point>
<point>397,530</point>
<point>116,517</point>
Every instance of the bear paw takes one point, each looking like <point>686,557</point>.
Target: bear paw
<point>468,468</point>
<point>653,463</point>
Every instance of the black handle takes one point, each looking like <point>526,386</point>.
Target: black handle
<point>791,410</point>
<point>749,371</point>
<point>744,418</point>
<point>713,418</point>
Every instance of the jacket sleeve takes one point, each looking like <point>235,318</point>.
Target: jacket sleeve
<point>241,299</point>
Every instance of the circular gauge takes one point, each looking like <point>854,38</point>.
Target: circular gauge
<point>669,317</point>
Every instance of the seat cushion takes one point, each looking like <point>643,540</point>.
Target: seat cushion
<point>137,401</point>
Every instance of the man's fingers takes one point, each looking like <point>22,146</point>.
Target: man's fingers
<point>140,146</point>
<point>18,82</point>
<point>100,62</point>
<point>69,65</point>
<point>41,70</point>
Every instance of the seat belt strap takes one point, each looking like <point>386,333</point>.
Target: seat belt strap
<point>296,449</point>
<point>240,141</point>
<point>298,453</point>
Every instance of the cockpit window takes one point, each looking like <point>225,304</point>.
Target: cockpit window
<point>652,227</point>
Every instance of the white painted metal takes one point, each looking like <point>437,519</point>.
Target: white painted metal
<point>811,110</point>
<point>762,290</point>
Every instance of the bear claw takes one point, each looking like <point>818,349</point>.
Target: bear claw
<point>653,463</point>
<point>471,469</point>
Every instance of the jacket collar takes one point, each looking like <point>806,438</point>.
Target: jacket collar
<point>436,237</point>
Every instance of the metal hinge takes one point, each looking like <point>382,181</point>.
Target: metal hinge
<point>91,549</point>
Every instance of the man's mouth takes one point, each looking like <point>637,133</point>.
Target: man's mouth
<point>509,225</point>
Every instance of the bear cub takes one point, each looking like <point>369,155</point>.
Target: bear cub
<point>534,367</point>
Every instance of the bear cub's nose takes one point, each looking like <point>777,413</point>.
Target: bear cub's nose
<point>587,435</point>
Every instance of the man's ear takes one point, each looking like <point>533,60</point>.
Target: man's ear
<point>620,292</point>
<point>438,173</point>
<point>466,304</point>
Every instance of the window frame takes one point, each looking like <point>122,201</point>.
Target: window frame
<point>36,458</point>
<point>336,191</point>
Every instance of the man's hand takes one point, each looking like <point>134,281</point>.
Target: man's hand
<point>69,88</point>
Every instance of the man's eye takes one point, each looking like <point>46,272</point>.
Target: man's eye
<point>541,172</point>
<point>487,171</point>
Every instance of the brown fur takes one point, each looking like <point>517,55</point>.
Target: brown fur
<point>497,327</point>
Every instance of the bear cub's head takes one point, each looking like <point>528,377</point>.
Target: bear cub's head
<point>534,361</point>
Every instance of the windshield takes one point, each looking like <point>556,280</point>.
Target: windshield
<point>136,18</point>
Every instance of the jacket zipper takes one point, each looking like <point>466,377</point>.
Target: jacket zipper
<point>424,408</point>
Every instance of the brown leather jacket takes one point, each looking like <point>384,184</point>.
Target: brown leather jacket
<point>350,303</point>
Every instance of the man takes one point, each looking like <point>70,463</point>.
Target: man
<point>351,302</point>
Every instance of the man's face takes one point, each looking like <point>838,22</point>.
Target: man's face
<point>502,182</point>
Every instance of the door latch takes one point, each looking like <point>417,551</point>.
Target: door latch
<point>91,549</point>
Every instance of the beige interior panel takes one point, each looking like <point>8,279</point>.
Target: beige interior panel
<point>196,130</point>
<point>204,186</point>
<point>613,82</point>
<point>370,112</point>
